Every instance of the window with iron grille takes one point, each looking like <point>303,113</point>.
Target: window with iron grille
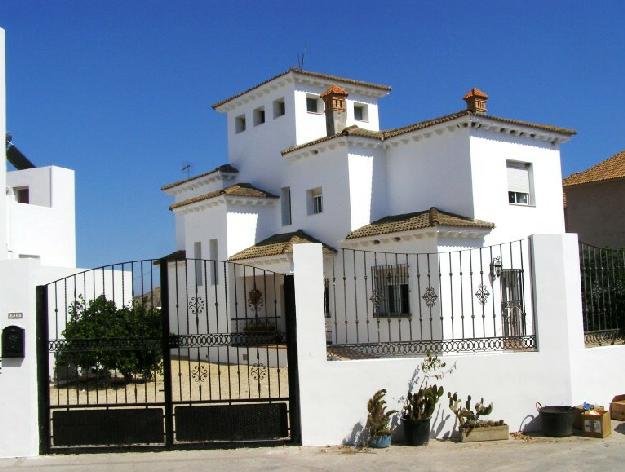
<point>512,302</point>
<point>391,295</point>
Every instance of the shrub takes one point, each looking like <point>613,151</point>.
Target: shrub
<point>100,337</point>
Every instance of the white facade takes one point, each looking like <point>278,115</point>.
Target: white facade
<point>457,163</point>
<point>37,246</point>
<point>45,227</point>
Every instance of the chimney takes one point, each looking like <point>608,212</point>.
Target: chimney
<point>476,101</point>
<point>336,115</point>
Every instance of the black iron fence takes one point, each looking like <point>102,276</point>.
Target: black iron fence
<point>166,353</point>
<point>387,304</point>
<point>603,294</point>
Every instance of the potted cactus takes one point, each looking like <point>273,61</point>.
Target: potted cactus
<point>379,421</point>
<point>418,412</point>
<point>471,427</point>
<point>420,405</point>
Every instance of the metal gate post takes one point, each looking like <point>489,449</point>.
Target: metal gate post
<point>291,339</point>
<point>165,345</point>
<point>43,369</point>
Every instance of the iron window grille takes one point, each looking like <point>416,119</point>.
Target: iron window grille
<point>391,295</point>
<point>513,317</point>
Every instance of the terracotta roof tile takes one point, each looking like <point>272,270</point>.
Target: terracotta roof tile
<point>237,190</point>
<point>417,220</point>
<point>318,75</point>
<point>277,245</point>
<point>610,169</point>
<point>225,169</point>
<point>393,132</point>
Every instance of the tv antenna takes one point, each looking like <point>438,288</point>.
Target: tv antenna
<point>186,168</point>
<point>300,58</point>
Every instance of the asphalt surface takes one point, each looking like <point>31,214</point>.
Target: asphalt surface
<point>523,454</point>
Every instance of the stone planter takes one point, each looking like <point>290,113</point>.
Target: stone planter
<point>485,433</point>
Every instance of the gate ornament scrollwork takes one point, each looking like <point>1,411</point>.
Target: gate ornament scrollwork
<point>200,373</point>
<point>376,299</point>
<point>258,371</point>
<point>430,297</point>
<point>196,305</point>
<point>482,294</point>
<point>596,289</point>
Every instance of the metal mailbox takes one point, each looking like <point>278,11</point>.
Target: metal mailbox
<point>13,342</point>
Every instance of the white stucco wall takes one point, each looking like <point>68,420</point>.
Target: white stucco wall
<point>328,170</point>
<point>18,377</point>
<point>432,172</point>
<point>45,227</point>
<point>3,210</point>
<point>489,152</point>
<point>255,152</point>
<point>247,224</point>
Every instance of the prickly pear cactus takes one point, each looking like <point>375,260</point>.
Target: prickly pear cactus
<point>466,416</point>
<point>421,404</point>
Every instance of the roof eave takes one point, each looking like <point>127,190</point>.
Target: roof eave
<point>300,76</point>
<point>469,232</point>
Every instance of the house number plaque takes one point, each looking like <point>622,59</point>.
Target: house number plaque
<point>16,316</point>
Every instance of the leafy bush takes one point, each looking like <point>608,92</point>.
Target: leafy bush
<point>100,337</point>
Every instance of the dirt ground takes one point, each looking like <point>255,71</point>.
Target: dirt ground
<point>191,380</point>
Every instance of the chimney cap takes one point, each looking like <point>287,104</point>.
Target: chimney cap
<point>334,90</point>
<point>475,92</point>
<point>476,100</point>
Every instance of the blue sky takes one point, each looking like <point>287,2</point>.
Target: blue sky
<point>121,91</point>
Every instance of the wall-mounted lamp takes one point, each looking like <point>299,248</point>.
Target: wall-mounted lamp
<point>495,267</point>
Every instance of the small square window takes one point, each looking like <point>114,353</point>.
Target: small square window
<point>259,116</point>
<point>361,112</point>
<point>239,124</point>
<point>22,194</point>
<point>279,108</point>
<point>313,104</point>
<point>315,201</point>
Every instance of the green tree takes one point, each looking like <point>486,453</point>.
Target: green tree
<point>101,337</point>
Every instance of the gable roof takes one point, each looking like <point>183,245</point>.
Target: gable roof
<point>278,244</point>
<point>236,190</point>
<point>417,220</point>
<point>305,73</point>
<point>224,169</point>
<point>611,169</point>
<point>393,132</point>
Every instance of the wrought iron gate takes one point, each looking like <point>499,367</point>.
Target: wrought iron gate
<point>167,353</point>
<point>603,294</point>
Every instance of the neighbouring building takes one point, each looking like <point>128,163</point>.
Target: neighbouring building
<point>594,203</point>
<point>308,162</point>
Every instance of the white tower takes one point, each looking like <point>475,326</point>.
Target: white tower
<point>3,160</point>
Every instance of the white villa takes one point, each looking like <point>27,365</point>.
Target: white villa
<point>308,162</point>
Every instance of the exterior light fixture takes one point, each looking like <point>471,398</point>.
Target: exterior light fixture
<point>495,267</point>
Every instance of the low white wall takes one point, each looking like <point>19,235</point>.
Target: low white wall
<point>333,394</point>
<point>19,434</point>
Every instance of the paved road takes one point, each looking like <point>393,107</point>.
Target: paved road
<point>539,454</point>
